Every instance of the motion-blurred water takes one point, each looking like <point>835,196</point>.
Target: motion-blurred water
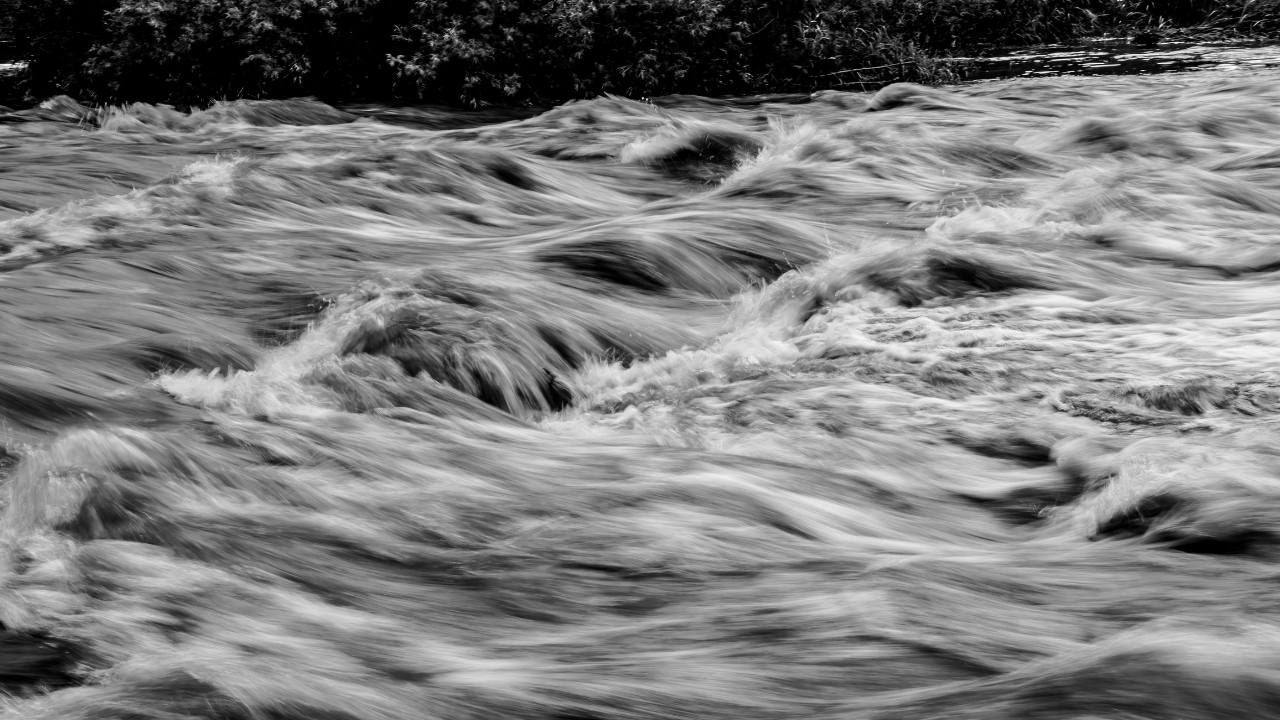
<point>932,403</point>
<point>1122,57</point>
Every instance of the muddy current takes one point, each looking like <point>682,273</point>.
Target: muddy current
<point>928,403</point>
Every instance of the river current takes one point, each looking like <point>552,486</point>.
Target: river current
<point>925,403</point>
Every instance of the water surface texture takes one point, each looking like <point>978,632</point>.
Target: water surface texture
<point>932,403</point>
<point>1121,57</point>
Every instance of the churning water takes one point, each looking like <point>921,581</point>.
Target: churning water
<point>1120,57</point>
<point>932,403</point>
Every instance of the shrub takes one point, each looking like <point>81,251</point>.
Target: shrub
<point>194,51</point>
<point>1232,16</point>
<point>508,49</point>
<point>481,51</point>
<point>6,28</point>
<point>512,49</point>
<point>55,37</point>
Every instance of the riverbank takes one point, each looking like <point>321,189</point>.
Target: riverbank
<point>542,52</point>
<point>1092,56</point>
<point>11,93</point>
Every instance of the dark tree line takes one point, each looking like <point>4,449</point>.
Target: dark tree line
<point>507,51</point>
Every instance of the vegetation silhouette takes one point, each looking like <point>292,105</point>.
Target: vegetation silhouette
<point>462,52</point>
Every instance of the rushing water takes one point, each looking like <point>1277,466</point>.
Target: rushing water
<point>1121,57</point>
<point>932,403</point>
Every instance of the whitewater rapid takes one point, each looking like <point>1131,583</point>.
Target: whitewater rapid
<point>928,403</point>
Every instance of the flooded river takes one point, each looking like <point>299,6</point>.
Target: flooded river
<point>939,403</point>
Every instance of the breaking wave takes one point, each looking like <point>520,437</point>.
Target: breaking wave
<point>932,403</point>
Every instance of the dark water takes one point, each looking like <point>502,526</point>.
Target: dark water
<point>932,403</point>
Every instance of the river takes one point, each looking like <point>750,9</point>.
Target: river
<point>925,403</point>
<point>1122,57</point>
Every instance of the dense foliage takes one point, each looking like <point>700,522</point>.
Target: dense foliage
<point>6,27</point>
<point>556,48</point>
<point>194,51</point>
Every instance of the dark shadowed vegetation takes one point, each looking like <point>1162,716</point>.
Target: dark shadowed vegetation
<point>510,51</point>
